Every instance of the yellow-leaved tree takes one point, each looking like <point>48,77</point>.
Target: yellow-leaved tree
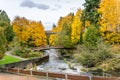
<point>53,37</point>
<point>76,27</point>
<point>29,32</point>
<point>59,27</point>
<point>110,20</point>
<point>20,26</point>
<point>37,34</point>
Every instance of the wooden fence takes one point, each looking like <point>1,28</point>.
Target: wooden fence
<point>57,75</point>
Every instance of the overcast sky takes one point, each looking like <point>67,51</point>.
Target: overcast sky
<point>47,11</point>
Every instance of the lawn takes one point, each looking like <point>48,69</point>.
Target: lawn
<point>8,59</point>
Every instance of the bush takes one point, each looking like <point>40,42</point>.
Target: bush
<point>35,54</point>
<point>85,57</point>
<point>31,54</point>
<point>2,43</point>
<point>18,52</point>
<point>2,51</point>
<point>91,37</point>
<point>110,65</point>
<point>89,58</point>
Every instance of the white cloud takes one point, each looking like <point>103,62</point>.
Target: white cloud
<point>31,4</point>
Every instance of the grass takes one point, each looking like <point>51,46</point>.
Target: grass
<point>8,59</point>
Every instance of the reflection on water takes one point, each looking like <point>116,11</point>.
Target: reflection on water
<point>56,65</point>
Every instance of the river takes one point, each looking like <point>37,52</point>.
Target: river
<point>55,64</point>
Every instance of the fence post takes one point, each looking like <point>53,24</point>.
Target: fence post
<point>47,76</point>
<point>103,74</point>
<point>31,72</point>
<point>18,70</point>
<point>90,76</point>
<point>7,69</point>
<point>66,76</point>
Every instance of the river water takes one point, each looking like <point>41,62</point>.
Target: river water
<point>56,65</point>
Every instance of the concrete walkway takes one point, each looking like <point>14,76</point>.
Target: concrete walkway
<point>9,54</point>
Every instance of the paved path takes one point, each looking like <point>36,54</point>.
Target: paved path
<point>9,53</point>
<point>6,76</point>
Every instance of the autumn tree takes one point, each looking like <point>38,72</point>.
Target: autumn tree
<point>110,20</point>
<point>20,27</point>
<point>29,32</point>
<point>64,36</point>
<point>37,34</point>
<point>76,27</point>
<point>66,20</point>
<point>52,39</point>
<point>63,30</point>
<point>58,28</point>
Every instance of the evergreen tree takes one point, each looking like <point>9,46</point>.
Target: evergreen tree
<point>90,18</point>
<point>54,26</point>
<point>5,23</point>
<point>2,42</point>
<point>90,12</point>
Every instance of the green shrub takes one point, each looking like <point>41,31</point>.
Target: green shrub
<point>35,54</point>
<point>91,37</point>
<point>89,58</point>
<point>18,52</point>
<point>2,43</point>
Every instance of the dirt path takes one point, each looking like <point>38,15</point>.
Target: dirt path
<point>9,53</point>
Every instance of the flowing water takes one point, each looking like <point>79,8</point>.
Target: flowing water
<point>56,65</point>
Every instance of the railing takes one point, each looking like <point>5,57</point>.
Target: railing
<point>57,75</point>
<point>49,47</point>
<point>106,74</point>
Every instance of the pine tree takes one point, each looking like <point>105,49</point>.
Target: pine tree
<point>90,13</point>
<point>54,26</point>
<point>5,23</point>
<point>90,16</point>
